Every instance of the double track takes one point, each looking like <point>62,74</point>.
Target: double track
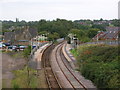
<point>66,70</point>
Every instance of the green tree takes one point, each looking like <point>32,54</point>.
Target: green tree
<point>53,37</point>
<point>92,32</point>
<point>43,32</point>
<point>80,34</point>
<point>26,52</point>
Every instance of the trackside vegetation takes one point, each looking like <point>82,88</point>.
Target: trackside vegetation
<point>100,64</point>
<point>26,77</point>
<point>22,80</point>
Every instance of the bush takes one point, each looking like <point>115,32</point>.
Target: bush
<point>99,63</point>
<point>26,52</point>
<point>22,80</point>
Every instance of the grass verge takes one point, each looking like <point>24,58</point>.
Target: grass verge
<point>24,80</point>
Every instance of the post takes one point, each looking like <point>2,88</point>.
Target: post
<point>97,36</point>
<point>31,45</point>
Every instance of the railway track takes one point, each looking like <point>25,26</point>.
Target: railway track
<point>67,72</point>
<point>50,76</point>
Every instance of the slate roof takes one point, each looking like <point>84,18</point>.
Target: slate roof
<point>25,33</point>
<point>33,32</point>
<point>111,33</point>
<point>99,35</point>
<point>9,36</point>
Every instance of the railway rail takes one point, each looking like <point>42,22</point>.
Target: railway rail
<point>72,79</point>
<point>51,79</point>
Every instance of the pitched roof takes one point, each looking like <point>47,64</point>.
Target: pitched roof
<point>100,34</point>
<point>25,33</point>
<point>33,32</point>
<point>111,33</point>
<point>9,36</point>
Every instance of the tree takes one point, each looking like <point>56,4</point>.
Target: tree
<point>101,27</point>
<point>53,37</point>
<point>26,52</point>
<point>80,34</point>
<point>43,32</point>
<point>92,32</point>
<point>116,22</point>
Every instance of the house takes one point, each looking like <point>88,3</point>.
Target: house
<point>98,36</point>
<point>20,36</point>
<point>9,37</point>
<point>1,37</point>
<point>102,22</point>
<point>110,34</point>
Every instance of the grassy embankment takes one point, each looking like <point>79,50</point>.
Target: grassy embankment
<point>27,77</point>
<point>100,64</point>
<point>23,80</point>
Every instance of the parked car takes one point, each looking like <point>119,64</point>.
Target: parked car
<point>7,44</point>
<point>22,47</point>
<point>2,46</point>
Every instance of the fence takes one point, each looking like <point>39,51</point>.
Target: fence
<point>103,42</point>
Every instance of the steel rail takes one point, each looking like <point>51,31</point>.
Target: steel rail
<point>46,68</point>
<point>61,53</point>
<point>62,70</point>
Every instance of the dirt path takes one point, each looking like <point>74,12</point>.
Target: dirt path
<point>8,65</point>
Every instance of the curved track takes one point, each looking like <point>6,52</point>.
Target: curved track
<point>50,77</point>
<point>68,73</point>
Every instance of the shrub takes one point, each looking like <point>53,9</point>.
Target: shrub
<point>100,64</point>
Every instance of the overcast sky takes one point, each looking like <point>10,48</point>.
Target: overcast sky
<point>31,10</point>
